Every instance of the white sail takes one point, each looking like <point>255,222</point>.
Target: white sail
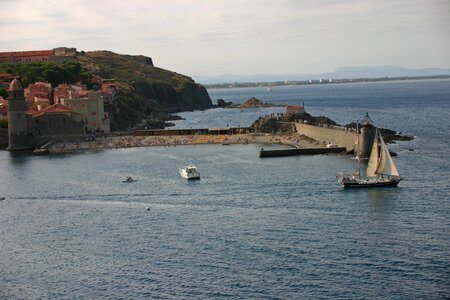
<point>386,165</point>
<point>373,158</point>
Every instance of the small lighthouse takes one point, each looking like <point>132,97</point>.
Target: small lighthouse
<point>367,136</point>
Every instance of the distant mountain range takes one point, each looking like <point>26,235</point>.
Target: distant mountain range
<point>339,73</point>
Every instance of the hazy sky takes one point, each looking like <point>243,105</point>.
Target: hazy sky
<point>211,37</point>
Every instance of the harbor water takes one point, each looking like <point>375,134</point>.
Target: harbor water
<point>251,228</point>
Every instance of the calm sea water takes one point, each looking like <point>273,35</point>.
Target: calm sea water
<point>253,228</point>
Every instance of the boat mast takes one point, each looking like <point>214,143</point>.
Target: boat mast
<point>359,148</point>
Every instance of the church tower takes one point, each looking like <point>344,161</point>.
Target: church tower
<point>17,120</point>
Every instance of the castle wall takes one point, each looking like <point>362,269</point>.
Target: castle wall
<point>333,135</point>
<point>55,126</point>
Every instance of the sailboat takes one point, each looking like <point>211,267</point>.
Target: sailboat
<point>381,169</point>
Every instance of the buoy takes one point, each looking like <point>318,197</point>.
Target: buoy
<point>148,208</point>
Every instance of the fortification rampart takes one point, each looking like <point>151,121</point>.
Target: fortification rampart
<point>339,136</point>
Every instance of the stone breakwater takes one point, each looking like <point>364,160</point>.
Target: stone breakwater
<point>340,136</point>
<point>116,142</point>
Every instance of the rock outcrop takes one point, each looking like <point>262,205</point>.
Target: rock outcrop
<point>250,103</point>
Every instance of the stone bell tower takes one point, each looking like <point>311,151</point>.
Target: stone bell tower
<point>17,120</point>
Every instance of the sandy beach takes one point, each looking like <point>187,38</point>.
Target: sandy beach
<point>115,142</point>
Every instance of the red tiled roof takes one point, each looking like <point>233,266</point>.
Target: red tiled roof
<point>27,53</point>
<point>294,107</point>
<point>55,108</point>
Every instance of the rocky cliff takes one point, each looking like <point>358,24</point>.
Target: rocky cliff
<point>147,93</point>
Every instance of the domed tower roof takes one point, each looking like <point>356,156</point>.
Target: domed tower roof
<point>367,120</point>
<point>15,85</point>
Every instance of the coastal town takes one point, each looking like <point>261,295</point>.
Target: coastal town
<point>42,112</point>
<point>77,116</point>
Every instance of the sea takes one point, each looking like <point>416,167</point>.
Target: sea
<point>251,228</point>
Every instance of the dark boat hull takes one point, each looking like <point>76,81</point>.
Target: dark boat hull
<point>393,182</point>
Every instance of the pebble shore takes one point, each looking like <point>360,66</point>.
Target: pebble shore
<point>116,142</point>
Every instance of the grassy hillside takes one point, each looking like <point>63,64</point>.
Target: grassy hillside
<point>146,92</point>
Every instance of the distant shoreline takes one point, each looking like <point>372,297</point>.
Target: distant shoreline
<point>318,81</point>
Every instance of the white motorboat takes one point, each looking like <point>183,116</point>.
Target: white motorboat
<point>190,172</point>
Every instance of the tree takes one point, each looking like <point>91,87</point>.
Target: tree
<point>67,72</point>
<point>3,93</point>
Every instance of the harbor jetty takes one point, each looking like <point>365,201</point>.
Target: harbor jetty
<point>300,151</point>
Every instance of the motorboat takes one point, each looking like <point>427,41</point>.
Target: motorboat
<point>190,172</point>
<point>129,179</point>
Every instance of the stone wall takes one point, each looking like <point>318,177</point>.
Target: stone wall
<point>4,137</point>
<point>329,135</point>
<point>55,126</point>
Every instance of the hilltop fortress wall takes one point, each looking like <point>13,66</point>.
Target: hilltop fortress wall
<point>329,135</point>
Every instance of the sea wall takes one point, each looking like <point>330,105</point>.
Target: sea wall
<point>339,136</point>
<point>302,151</point>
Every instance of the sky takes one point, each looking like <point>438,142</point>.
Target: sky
<point>213,37</point>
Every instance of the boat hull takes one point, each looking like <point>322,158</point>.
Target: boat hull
<point>190,172</point>
<point>190,176</point>
<point>41,151</point>
<point>369,184</point>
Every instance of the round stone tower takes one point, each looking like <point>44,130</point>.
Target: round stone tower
<point>17,121</point>
<point>366,137</point>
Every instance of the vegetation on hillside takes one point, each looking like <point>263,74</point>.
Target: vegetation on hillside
<point>66,72</point>
<point>147,93</point>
